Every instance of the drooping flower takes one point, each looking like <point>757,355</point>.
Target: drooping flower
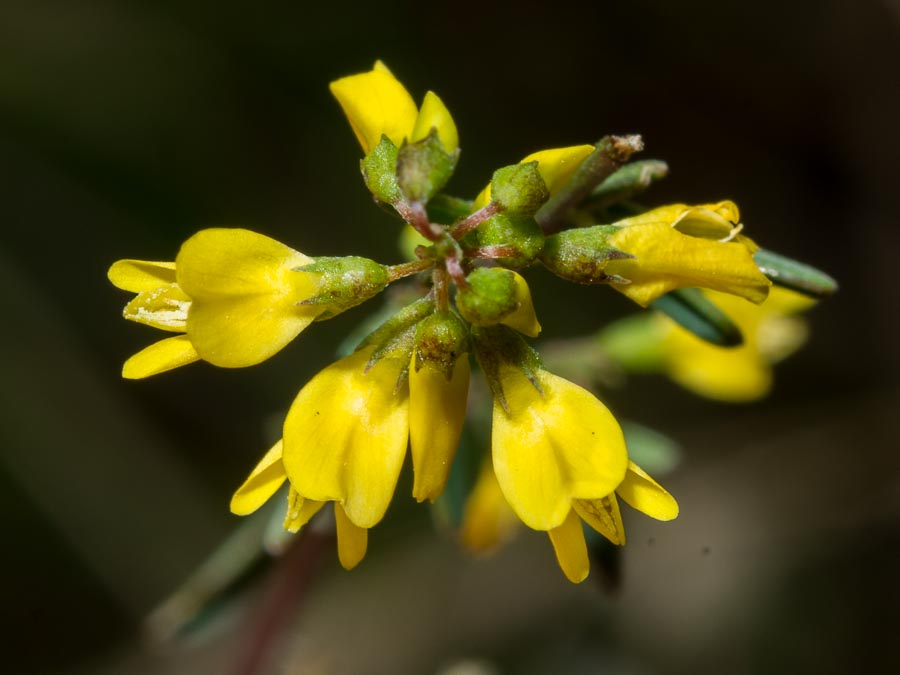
<point>265,480</point>
<point>377,104</point>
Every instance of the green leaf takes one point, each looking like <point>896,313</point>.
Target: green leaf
<point>626,183</point>
<point>690,309</point>
<point>797,276</point>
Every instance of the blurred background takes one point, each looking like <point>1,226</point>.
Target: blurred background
<point>127,126</point>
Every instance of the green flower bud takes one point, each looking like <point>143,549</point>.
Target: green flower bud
<point>346,282</point>
<point>424,167</point>
<point>581,255</point>
<point>441,339</point>
<point>519,189</point>
<point>489,297</point>
<point>518,234</point>
<point>379,170</point>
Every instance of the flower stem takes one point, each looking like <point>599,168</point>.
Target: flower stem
<point>610,154</point>
<point>441,289</point>
<point>463,227</point>
<point>414,214</point>
<point>402,270</point>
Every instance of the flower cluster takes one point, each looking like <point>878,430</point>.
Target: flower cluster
<point>234,298</point>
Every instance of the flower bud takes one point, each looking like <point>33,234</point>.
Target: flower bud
<point>424,167</point>
<point>519,189</point>
<point>518,234</point>
<point>345,282</point>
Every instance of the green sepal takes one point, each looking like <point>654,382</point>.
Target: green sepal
<point>379,170</point>
<point>446,210</point>
<point>488,297</point>
<point>693,311</point>
<point>581,255</point>
<point>796,276</point>
<point>399,322</point>
<point>441,339</point>
<point>519,234</point>
<point>424,167</point>
<point>519,189</point>
<point>627,183</point>
<point>347,282</point>
<point>499,347</point>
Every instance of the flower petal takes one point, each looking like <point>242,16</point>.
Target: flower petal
<point>299,511</point>
<point>164,307</point>
<point>604,516</point>
<point>665,259</point>
<point>434,115</point>
<point>376,104</point>
<point>571,549</point>
<point>352,541</point>
<point>437,410</point>
<point>246,294</point>
<point>160,357</point>
<point>552,448</point>
<point>523,319</point>
<point>345,436</point>
<point>488,520</point>
<point>261,484</point>
<point>646,495</point>
<point>141,275</point>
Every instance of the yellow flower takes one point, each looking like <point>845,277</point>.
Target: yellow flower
<point>742,373</point>
<point>556,166</point>
<point>488,520</point>
<point>345,435</point>
<point>265,480</point>
<point>377,105</point>
<point>553,443</point>
<point>681,246</point>
<point>236,295</point>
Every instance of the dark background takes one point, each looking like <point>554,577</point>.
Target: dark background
<point>125,127</point>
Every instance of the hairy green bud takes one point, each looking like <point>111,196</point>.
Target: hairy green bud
<point>490,296</point>
<point>424,167</point>
<point>581,255</point>
<point>519,189</point>
<point>519,236</point>
<point>346,282</point>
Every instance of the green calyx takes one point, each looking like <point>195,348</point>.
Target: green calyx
<point>519,189</point>
<point>346,282</point>
<point>424,167</point>
<point>519,236</point>
<point>498,348</point>
<point>581,255</point>
<point>441,339</point>
<point>379,170</point>
<point>490,295</point>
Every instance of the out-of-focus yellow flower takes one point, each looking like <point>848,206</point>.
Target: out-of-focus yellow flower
<point>265,480</point>
<point>345,435</point>
<point>680,246</point>
<point>377,104</point>
<point>744,373</point>
<point>556,166</point>
<point>488,520</point>
<point>236,295</point>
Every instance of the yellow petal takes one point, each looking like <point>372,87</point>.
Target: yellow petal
<point>141,275</point>
<point>245,294</point>
<point>434,115</point>
<point>711,221</point>
<point>550,449</point>
<point>299,511</point>
<point>345,436</point>
<point>352,541</point>
<point>666,259</point>
<point>437,410</point>
<point>571,549</point>
<point>487,519</point>
<point>261,484</point>
<point>164,307</point>
<point>646,495</point>
<point>556,166</point>
<point>603,516</point>
<point>160,357</point>
<point>376,104</point>
<point>523,319</point>
<point>735,375</point>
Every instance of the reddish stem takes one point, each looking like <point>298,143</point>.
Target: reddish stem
<point>463,227</point>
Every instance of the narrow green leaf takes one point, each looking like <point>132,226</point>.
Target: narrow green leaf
<point>691,310</point>
<point>795,275</point>
<point>626,183</point>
